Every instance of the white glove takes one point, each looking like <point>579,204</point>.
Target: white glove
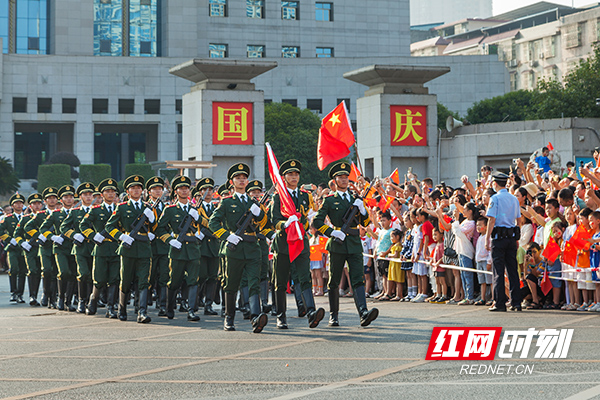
<point>57,239</point>
<point>194,213</point>
<point>175,243</point>
<point>291,220</point>
<point>125,238</point>
<point>149,214</point>
<point>361,206</point>
<point>42,238</point>
<point>98,238</point>
<point>13,242</point>
<point>255,210</point>
<point>199,235</point>
<point>78,237</point>
<point>26,246</point>
<point>234,239</point>
<point>151,236</point>
<point>339,235</point>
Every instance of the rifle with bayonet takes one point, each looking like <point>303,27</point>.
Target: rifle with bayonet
<point>184,227</point>
<point>204,230</point>
<point>353,211</point>
<point>245,220</point>
<point>138,224</point>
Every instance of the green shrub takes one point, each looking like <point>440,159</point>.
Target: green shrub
<point>94,173</point>
<point>144,170</point>
<point>9,182</point>
<point>55,175</point>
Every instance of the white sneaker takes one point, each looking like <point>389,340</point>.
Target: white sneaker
<point>420,298</point>
<point>583,307</point>
<point>595,307</point>
<point>592,305</point>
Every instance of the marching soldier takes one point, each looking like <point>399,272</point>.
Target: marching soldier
<point>178,228</point>
<point>67,267</point>
<point>282,267</point>
<point>16,261</point>
<point>222,191</point>
<point>32,258</point>
<point>209,246</point>
<point>49,266</point>
<point>105,271</point>
<point>159,274</point>
<point>242,252</point>
<point>130,224</point>
<point>344,246</point>
<point>82,246</point>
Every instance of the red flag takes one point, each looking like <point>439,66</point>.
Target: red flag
<point>384,203</point>
<point>295,232</point>
<point>546,285</point>
<point>354,172</point>
<point>550,147</point>
<point>395,177</point>
<point>551,251</point>
<point>570,254</point>
<point>580,237</point>
<point>369,200</point>
<point>335,137</point>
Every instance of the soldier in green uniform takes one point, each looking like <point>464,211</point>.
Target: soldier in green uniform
<point>14,253</point>
<point>241,252</point>
<point>209,245</point>
<point>105,270</point>
<point>223,191</point>
<point>282,267</point>
<point>135,249</point>
<point>344,247</point>
<point>32,259</point>
<point>49,267</point>
<point>67,267</point>
<point>82,246</point>
<point>178,227</point>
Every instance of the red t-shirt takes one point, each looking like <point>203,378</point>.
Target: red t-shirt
<point>427,229</point>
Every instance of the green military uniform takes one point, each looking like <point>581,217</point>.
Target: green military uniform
<point>242,252</point>
<point>159,274</point>
<point>32,258</point>
<point>105,271</point>
<point>82,247</point>
<point>209,248</point>
<point>135,250</point>
<point>47,259</point>
<point>16,260</point>
<point>184,252</point>
<point>300,267</point>
<point>67,266</point>
<point>349,250</point>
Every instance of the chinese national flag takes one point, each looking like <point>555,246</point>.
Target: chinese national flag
<point>570,254</point>
<point>384,203</point>
<point>335,137</point>
<point>580,237</point>
<point>546,285</point>
<point>550,147</point>
<point>551,251</point>
<point>395,177</point>
<point>369,199</point>
<point>317,250</point>
<point>354,172</point>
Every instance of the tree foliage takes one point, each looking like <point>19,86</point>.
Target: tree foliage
<point>512,106</point>
<point>9,182</point>
<point>294,133</point>
<point>442,115</point>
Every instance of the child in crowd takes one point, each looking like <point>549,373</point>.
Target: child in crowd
<point>317,256</point>
<point>573,303</point>
<point>585,283</point>
<point>595,257</point>
<point>406,255</point>
<point>535,268</point>
<point>439,272</point>
<point>419,246</point>
<point>395,275</point>
<point>483,259</point>
<point>554,268</point>
<point>384,242</point>
<point>367,247</point>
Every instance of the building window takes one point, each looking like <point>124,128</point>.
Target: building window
<point>44,105</point>
<point>19,104</point>
<point>108,27</point>
<point>550,46</point>
<point>292,102</point>
<point>217,8</point>
<point>255,9</point>
<point>119,149</point>
<point>255,51</point>
<point>99,106</point>
<point>69,106</point>
<point>178,108</point>
<point>126,106</point>
<point>315,105</point>
<point>143,29</point>
<point>514,80</point>
<point>152,106</point>
<point>4,24</point>
<point>217,50</point>
<point>31,150</point>
<point>31,32</point>
<point>347,103</point>
<point>324,11</point>
<point>290,52</point>
<point>573,35</point>
<point>324,52</point>
<point>290,10</point>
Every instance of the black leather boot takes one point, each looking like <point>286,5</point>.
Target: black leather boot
<point>82,287</point>
<point>245,302</point>
<point>171,295</point>
<point>45,292</point>
<point>281,305</point>
<point>366,316</point>
<point>69,296</point>
<point>162,302</point>
<point>93,303</point>
<point>334,306</point>
<point>264,296</point>
<point>143,317</point>
<point>34,285</point>
<point>62,285</point>
<point>52,294</point>
<point>110,302</point>
<point>259,319</point>
<point>230,311</point>
<point>12,279</point>
<point>314,316</point>
<point>123,306</point>
<point>192,294</point>
<point>20,288</point>
<point>299,302</point>
<point>210,287</point>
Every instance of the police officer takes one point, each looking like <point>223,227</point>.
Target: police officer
<point>502,236</point>
<point>242,252</point>
<point>282,267</point>
<point>16,261</point>
<point>135,250</point>
<point>209,246</point>
<point>347,247</point>
<point>105,271</point>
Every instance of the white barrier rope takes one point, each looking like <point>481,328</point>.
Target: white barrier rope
<point>429,263</point>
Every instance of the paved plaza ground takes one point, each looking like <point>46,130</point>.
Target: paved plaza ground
<point>47,354</point>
